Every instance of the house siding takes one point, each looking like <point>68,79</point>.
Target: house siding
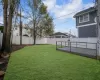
<point>87,31</point>
<point>92,16</point>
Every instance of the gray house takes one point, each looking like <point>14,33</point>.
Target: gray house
<point>61,35</point>
<point>86,23</point>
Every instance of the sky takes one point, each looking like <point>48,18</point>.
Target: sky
<point>63,11</point>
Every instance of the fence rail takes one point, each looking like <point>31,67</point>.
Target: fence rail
<point>87,45</point>
<point>83,48</point>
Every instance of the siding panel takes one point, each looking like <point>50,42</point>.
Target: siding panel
<point>87,31</point>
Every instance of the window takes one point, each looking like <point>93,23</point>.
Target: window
<point>81,19</point>
<point>58,36</point>
<point>84,18</point>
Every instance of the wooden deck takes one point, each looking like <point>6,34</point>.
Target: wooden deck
<point>92,53</point>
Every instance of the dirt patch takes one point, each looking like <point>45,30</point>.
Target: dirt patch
<point>4,60</point>
<point>18,47</point>
<point>3,66</point>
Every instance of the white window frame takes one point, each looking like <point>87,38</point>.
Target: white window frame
<point>83,18</point>
<point>80,20</point>
<point>95,19</point>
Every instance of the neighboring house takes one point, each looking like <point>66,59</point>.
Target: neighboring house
<point>61,35</point>
<point>25,31</point>
<point>86,23</point>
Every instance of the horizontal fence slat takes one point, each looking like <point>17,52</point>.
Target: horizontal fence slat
<point>87,45</point>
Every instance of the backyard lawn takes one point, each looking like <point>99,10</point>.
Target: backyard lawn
<point>43,62</point>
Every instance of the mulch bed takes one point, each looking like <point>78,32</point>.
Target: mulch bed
<point>4,61</point>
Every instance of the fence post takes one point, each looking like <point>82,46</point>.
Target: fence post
<point>61,44</point>
<point>86,45</point>
<point>70,46</point>
<point>76,44</point>
<point>65,44</point>
<point>96,51</point>
<point>56,45</point>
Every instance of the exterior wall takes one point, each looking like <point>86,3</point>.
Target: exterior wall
<point>92,16</point>
<point>87,31</point>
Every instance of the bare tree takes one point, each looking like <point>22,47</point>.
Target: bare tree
<point>37,15</point>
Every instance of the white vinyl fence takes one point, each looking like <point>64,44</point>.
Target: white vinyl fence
<point>81,42</point>
<point>90,43</point>
<point>53,40</point>
<point>29,40</point>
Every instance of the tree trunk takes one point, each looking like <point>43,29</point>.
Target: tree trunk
<point>5,24</point>
<point>8,37</point>
<point>34,33</point>
<point>21,33</point>
<point>20,29</point>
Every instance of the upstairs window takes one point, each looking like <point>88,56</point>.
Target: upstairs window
<point>81,19</point>
<point>84,18</point>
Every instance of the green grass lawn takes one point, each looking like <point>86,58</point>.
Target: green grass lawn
<point>43,62</point>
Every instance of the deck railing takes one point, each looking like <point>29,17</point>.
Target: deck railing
<point>77,46</point>
<point>87,45</point>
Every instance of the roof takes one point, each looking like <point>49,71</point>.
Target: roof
<point>59,33</point>
<point>91,9</point>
